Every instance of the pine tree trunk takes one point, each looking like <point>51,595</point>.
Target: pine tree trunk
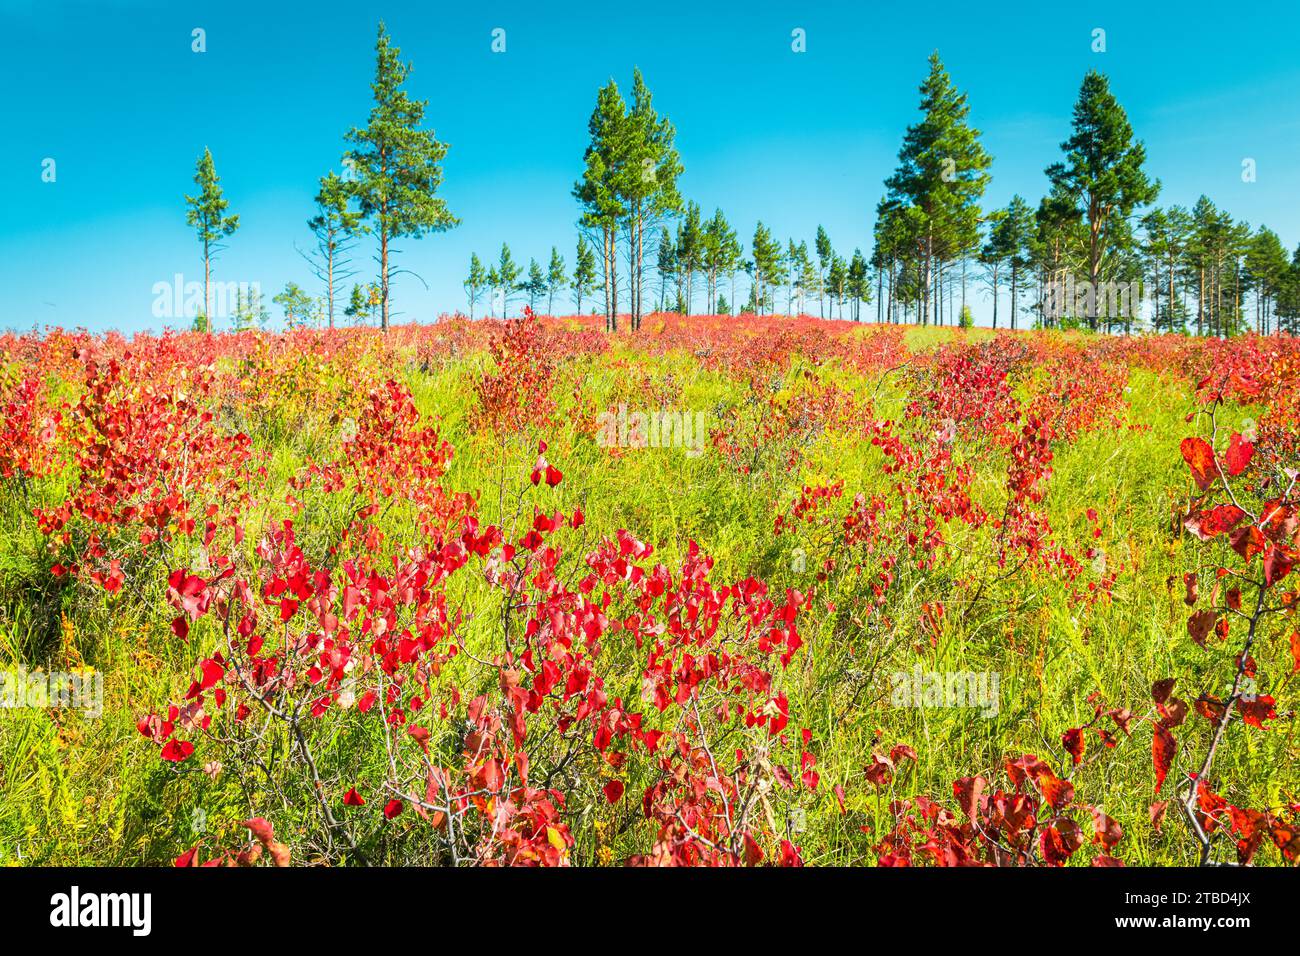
<point>207,285</point>
<point>1094,257</point>
<point>1200,300</point>
<point>613,279</point>
<point>1013,297</point>
<point>995,295</point>
<point>604,265</point>
<point>889,306</point>
<point>383,278</point>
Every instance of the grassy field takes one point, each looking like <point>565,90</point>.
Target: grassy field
<point>978,537</point>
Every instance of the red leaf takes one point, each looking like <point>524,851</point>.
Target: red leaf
<point>1059,842</point>
<point>880,770</point>
<point>393,808</point>
<point>175,751</point>
<point>1238,455</point>
<point>901,752</point>
<point>1211,708</point>
<point>613,791</point>
<point>1257,710</point>
<point>1163,748</point>
<point>261,829</point>
<point>1172,713</point>
<point>1074,743</point>
<point>1210,524</point>
<point>1248,541</point>
<point>1056,791</point>
<point>1162,688</point>
<point>211,671</point>
<point>1105,830</point>
<point>187,858</point>
<point>1200,459</point>
<point>1199,626</point>
<point>353,799</point>
<point>1277,563</point>
<point>968,790</point>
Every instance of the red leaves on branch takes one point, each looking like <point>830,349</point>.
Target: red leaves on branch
<point>1200,459</point>
<point>175,751</point>
<point>1074,743</point>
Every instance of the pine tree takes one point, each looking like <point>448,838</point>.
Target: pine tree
<point>666,264</point>
<point>507,278</point>
<point>690,253</point>
<point>859,289</point>
<point>249,311</point>
<point>597,191</point>
<point>358,308</point>
<point>991,258</point>
<point>1157,237</point>
<point>475,281</point>
<point>1102,175</point>
<point>836,280</point>
<point>942,174</point>
<point>535,285</point>
<point>1009,248</point>
<point>584,273</point>
<point>207,215</point>
<point>1059,245</point>
<point>493,284</point>
<point>1288,297</point>
<point>1267,265</point>
<point>766,265</point>
<point>731,254</point>
<point>397,165</point>
<point>299,307</point>
<point>720,246</point>
<point>809,278</point>
<point>335,225</point>
<point>791,274</point>
<point>647,181</point>
<point>555,279</point>
<point>822,244</point>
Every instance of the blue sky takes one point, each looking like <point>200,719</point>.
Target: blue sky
<point>113,93</point>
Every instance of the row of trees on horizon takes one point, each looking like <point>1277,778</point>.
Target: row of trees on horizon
<point>643,247</point>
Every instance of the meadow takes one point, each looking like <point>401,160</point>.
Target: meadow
<point>482,593</point>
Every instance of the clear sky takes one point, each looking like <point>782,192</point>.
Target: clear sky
<point>114,94</point>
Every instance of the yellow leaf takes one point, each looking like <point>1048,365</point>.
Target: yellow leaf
<point>554,838</point>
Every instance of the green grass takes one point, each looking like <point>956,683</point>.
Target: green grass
<point>80,791</point>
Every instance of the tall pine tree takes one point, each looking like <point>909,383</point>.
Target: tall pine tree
<point>207,214</point>
<point>941,176</point>
<point>398,166</point>
<point>1102,175</point>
